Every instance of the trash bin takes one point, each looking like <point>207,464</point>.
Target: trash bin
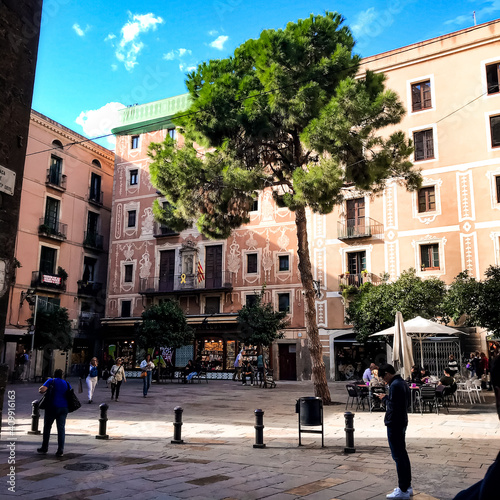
<point>310,410</point>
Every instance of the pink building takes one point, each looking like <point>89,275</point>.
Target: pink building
<point>62,240</point>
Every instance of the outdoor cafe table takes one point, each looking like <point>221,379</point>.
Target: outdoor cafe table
<point>414,390</point>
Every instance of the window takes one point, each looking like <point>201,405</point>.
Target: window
<point>252,263</point>
<point>493,78</point>
<point>424,145</point>
<point>172,133</point>
<point>96,163</point>
<point>126,308</point>
<point>497,183</point>
<point>356,262</point>
<point>52,214</point>
<point>95,188</point>
<point>255,206</point>
<point>495,131</point>
<point>421,96</point>
<point>284,262</point>
<point>429,257</point>
<point>250,300</point>
<point>284,302</point>
<point>89,267</point>
<point>128,273</point>
<point>134,177</point>
<point>135,142</point>
<point>212,305</point>
<point>427,199</point>
<point>55,171</point>
<point>131,218</point>
<point>47,260</point>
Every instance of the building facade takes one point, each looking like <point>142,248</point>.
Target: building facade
<point>62,240</point>
<point>449,225</point>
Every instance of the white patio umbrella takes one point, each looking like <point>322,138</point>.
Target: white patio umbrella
<point>421,328</point>
<point>402,356</point>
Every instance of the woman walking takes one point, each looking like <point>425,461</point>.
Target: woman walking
<point>56,409</point>
<point>92,373</point>
<point>118,374</point>
<point>147,367</point>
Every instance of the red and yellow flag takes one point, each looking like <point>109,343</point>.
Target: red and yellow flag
<point>201,275</point>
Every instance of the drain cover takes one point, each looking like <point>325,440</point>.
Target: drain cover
<point>86,466</point>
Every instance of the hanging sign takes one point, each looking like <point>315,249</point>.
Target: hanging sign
<point>7,180</point>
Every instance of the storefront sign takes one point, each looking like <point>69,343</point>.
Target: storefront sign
<point>7,180</point>
<point>51,280</point>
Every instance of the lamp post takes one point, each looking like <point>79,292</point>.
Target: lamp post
<point>34,302</point>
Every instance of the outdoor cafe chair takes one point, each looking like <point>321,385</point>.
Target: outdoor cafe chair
<point>363,395</point>
<point>427,397</point>
<point>465,388</point>
<point>476,388</point>
<point>353,395</point>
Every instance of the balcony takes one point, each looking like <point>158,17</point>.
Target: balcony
<point>89,288</point>
<point>51,229</point>
<point>186,283</point>
<point>358,228</point>
<point>93,240</point>
<point>96,197</point>
<point>162,231</point>
<point>356,280</point>
<point>89,321</point>
<point>47,281</point>
<point>55,180</point>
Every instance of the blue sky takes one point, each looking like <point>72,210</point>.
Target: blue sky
<point>96,57</point>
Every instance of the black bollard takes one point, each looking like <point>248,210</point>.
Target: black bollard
<point>177,425</point>
<point>103,421</point>
<point>259,429</point>
<point>35,418</point>
<point>349,432</point>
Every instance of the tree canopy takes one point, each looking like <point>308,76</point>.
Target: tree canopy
<point>53,329</point>
<point>285,112</point>
<point>373,309</point>
<point>260,324</point>
<point>164,325</point>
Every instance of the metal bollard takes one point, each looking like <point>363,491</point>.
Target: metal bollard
<point>349,432</point>
<point>35,418</point>
<point>177,425</point>
<point>259,429</point>
<point>103,421</point>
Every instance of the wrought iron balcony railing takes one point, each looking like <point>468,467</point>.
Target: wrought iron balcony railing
<point>187,282</point>
<point>40,279</point>
<point>93,240</point>
<point>89,288</point>
<point>89,321</point>
<point>55,179</point>
<point>96,197</point>
<point>52,229</point>
<point>359,228</point>
<point>348,279</point>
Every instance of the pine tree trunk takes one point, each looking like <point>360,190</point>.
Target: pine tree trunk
<point>315,349</point>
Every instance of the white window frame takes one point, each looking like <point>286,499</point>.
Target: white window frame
<point>132,188</point>
<point>248,294</point>
<point>277,257</point>
<point>351,249</point>
<point>492,175</point>
<point>257,251</point>
<point>128,207</point>
<point>120,301</point>
<point>56,248</point>
<point>409,101</point>
<point>418,265</point>
<point>487,116</point>
<point>127,285</point>
<point>139,142</point>
<point>276,294</point>
<point>484,83</point>
<point>428,217</point>
<point>432,126</point>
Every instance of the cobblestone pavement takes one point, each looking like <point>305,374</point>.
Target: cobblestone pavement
<point>448,452</point>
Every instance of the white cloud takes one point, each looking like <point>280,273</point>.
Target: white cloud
<point>212,32</point>
<point>97,122</point>
<point>181,67</point>
<point>365,22</point>
<point>114,67</point>
<point>79,31</point>
<point>109,37</point>
<point>219,42</point>
<point>130,45</point>
<point>481,14</point>
<point>176,54</point>
<point>191,68</point>
<point>182,52</point>
<point>169,56</point>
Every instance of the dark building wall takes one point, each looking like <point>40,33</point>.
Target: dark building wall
<point>19,34</point>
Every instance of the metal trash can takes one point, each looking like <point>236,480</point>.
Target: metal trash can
<point>310,410</point>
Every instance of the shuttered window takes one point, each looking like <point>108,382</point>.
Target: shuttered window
<point>429,257</point>
<point>493,78</point>
<point>495,131</point>
<point>421,96</point>
<point>424,145</point>
<point>497,182</point>
<point>427,199</point>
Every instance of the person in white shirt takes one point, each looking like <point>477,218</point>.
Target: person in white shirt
<point>237,366</point>
<point>118,374</point>
<point>147,366</point>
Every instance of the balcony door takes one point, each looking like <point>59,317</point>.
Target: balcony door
<point>356,262</point>
<point>167,268</point>
<point>213,266</point>
<point>55,170</point>
<point>95,187</point>
<point>52,214</point>
<point>47,260</point>
<point>356,216</point>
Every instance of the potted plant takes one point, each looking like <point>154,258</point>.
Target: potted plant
<point>61,272</point>
<point>364,273</point>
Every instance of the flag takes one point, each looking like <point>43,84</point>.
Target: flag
<point>201,275</point>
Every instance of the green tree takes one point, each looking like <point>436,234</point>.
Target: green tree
<point>487,313</point>
<point>461,303</point>
<point>164,325</point>
<point>285,112</point>
<point>260,324</point>
<point>374,308</point>
<point>53,329</point>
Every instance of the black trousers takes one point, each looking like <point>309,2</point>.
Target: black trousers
<point>397,444</point>
<point>116,387</point>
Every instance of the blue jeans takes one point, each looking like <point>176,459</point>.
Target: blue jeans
<point>396,438</point>
<point>146,382</point>
<point>59,415</point>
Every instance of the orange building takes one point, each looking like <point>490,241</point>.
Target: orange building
<point>62,240</point>
<point>450,225</point>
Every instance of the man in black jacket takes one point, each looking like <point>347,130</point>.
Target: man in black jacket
<point>396,421</point>
<point>487,488</point>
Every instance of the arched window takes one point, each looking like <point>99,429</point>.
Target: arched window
<point>96,163</point>
<point>57,144</point>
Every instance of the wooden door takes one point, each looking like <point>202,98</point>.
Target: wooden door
<point>213,266</point>
<point>287,362</point>
<point>167,267</point>
<point>356,216</point>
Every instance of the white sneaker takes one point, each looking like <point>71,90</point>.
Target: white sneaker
<point>410,491</point>
<point>397,493</point>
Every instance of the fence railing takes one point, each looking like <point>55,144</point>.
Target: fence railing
<point>55,179</point>
<point>93,240</point>
<point>52,228</point>
<point>179,282</point>
<point>40,279</point>
<point>364,227</point>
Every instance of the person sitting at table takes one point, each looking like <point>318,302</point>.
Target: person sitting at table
<point>376,381</point>
<point>447,379</point>
<point>368,373</point>
<point>416,375</point>
<point>247,371</point>
<point>188,369</point>
<point>424,375</point>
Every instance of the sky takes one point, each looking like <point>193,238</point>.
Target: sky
<point>97,56</point>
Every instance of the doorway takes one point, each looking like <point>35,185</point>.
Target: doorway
<point>288,361</point>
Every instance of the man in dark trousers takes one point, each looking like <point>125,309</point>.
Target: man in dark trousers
<point>487,488</point>
<point>396,421</point>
